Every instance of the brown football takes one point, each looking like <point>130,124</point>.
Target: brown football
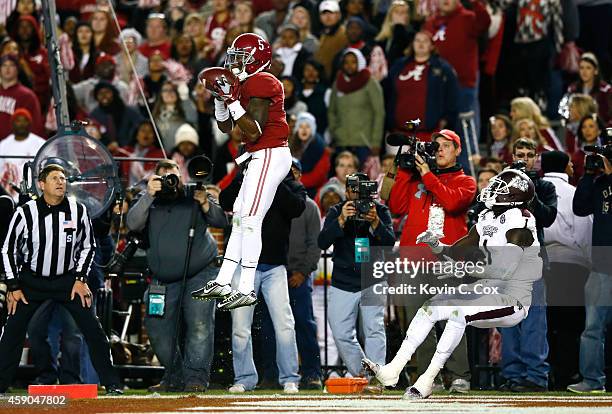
<point>209,75</point>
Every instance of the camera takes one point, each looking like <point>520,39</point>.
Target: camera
<point>169,185</point>
<point>366,190</point>
<point>593,161</point>
<point>521,165</point>
<point>117,263</point>
<point>407,160</point>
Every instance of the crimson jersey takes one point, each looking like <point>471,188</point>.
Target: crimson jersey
<point>411,87</point>
<point>276,130</point>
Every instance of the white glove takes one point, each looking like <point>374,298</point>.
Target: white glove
<point>428,237</point>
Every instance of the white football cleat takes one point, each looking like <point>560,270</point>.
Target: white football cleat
<point>421,389</point>
<point>386,374</point>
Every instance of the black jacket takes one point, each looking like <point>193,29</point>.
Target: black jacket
<point>289,203</point>
<point>347,275</point>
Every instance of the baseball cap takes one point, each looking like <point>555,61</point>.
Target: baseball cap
<point>329,6</point>
<point>296,163</point>
<point>448,134</point>
<point>104,57</point>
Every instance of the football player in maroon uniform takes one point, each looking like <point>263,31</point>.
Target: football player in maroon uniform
<point>251,98</point>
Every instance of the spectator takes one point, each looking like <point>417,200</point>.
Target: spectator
<point>301,18</point>
<point>29,39</point>
<point>526,128</point>
<point>309,148</point>
<point>593,196</point>
<point>455,34</point>
<point>184,52</point>
<point>186,146</point>
<point>105,34</point>
<point>347,310</point>
<point>396,31</point>
<point>270,21</point>
<point>333,36</point>
<point>119,119</point>
<point>105,70</point>
<point>524,346</point>
<point>84,50</point>
<point>590,130</point>
<point>143,145</point>
<point>132,40</point>
<point>346,163</point>
<point>358,38</point>
<point>22,8</point>
<point>525,107</point>
<point>188,370</point>
<point>9,47</point>
<point>216,27</point>
<point>291,51</point>
<point>592,83</point>
<point>170,112</point>
<point>271,281</point>
<point>293,105</point>
<point>153,81</point>
<point>315,93</point>
<point>21,142</point>
<point>580,105</point>
<point>13,95</point>
<point>157,37</point>
<point>194,28</point>
<point>423,86</point>
<point>244,18</point>
<point>356,108</point>
<point>568,245</point>
<point>500,140</point>
<point>205,113</point>
<point>414,195</point>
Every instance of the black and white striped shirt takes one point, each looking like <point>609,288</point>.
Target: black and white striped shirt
<point>49,240</point>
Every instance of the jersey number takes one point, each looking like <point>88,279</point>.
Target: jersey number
<point>260,42</point>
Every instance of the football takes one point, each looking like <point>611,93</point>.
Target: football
<point>208,77</point>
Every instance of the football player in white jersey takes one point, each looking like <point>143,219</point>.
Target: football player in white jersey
<point>506,235</point>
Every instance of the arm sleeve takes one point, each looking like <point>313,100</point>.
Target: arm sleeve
<point>87,243</point>
<point>10,248</point>
<point>138,214</point>
<point>291,199</point>
<point>545,204</point>
<point>399,197</point>
<point>313,227</point>
<point>331,229</point>
<point>583,201</point>
<point>216,216</point>
<point>384,232</point>
<point>482,21</point>
<point>332,119</point>
<point>453,198</point>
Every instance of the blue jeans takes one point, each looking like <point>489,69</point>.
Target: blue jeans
<point>192,365</point>
<point>525,346</point>
<point>273,285</point>
<point>344,310</point>
<point>598,301</point>
<point>52,329</point>
<point>305,333</point>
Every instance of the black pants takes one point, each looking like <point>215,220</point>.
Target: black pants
<point>36,291</point>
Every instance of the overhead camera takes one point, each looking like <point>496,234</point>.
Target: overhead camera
<point>366,190</point>
<point>407,160</point>
<point>593,161</point>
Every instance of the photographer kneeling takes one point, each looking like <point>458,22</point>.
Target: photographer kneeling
<point>360,220</point>
<point>162,215</point>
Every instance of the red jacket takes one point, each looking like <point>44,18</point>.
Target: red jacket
<point>19,96</point>
<point>315,178</point>
<point>413,195</point>
<point>456,38</point>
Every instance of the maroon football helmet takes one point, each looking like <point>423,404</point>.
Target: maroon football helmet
<point>249,54</point>
<point>509,188</point>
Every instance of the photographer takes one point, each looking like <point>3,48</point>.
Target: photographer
<point>343,225</point>
<point>594,196</point>
<point>413,193</point>
<point>524,346</point>
<point>162,215</point>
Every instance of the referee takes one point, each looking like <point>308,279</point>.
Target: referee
<point>47,254</point>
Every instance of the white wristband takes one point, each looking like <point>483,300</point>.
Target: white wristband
<point>221,111</point>
<point>236,110</point>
